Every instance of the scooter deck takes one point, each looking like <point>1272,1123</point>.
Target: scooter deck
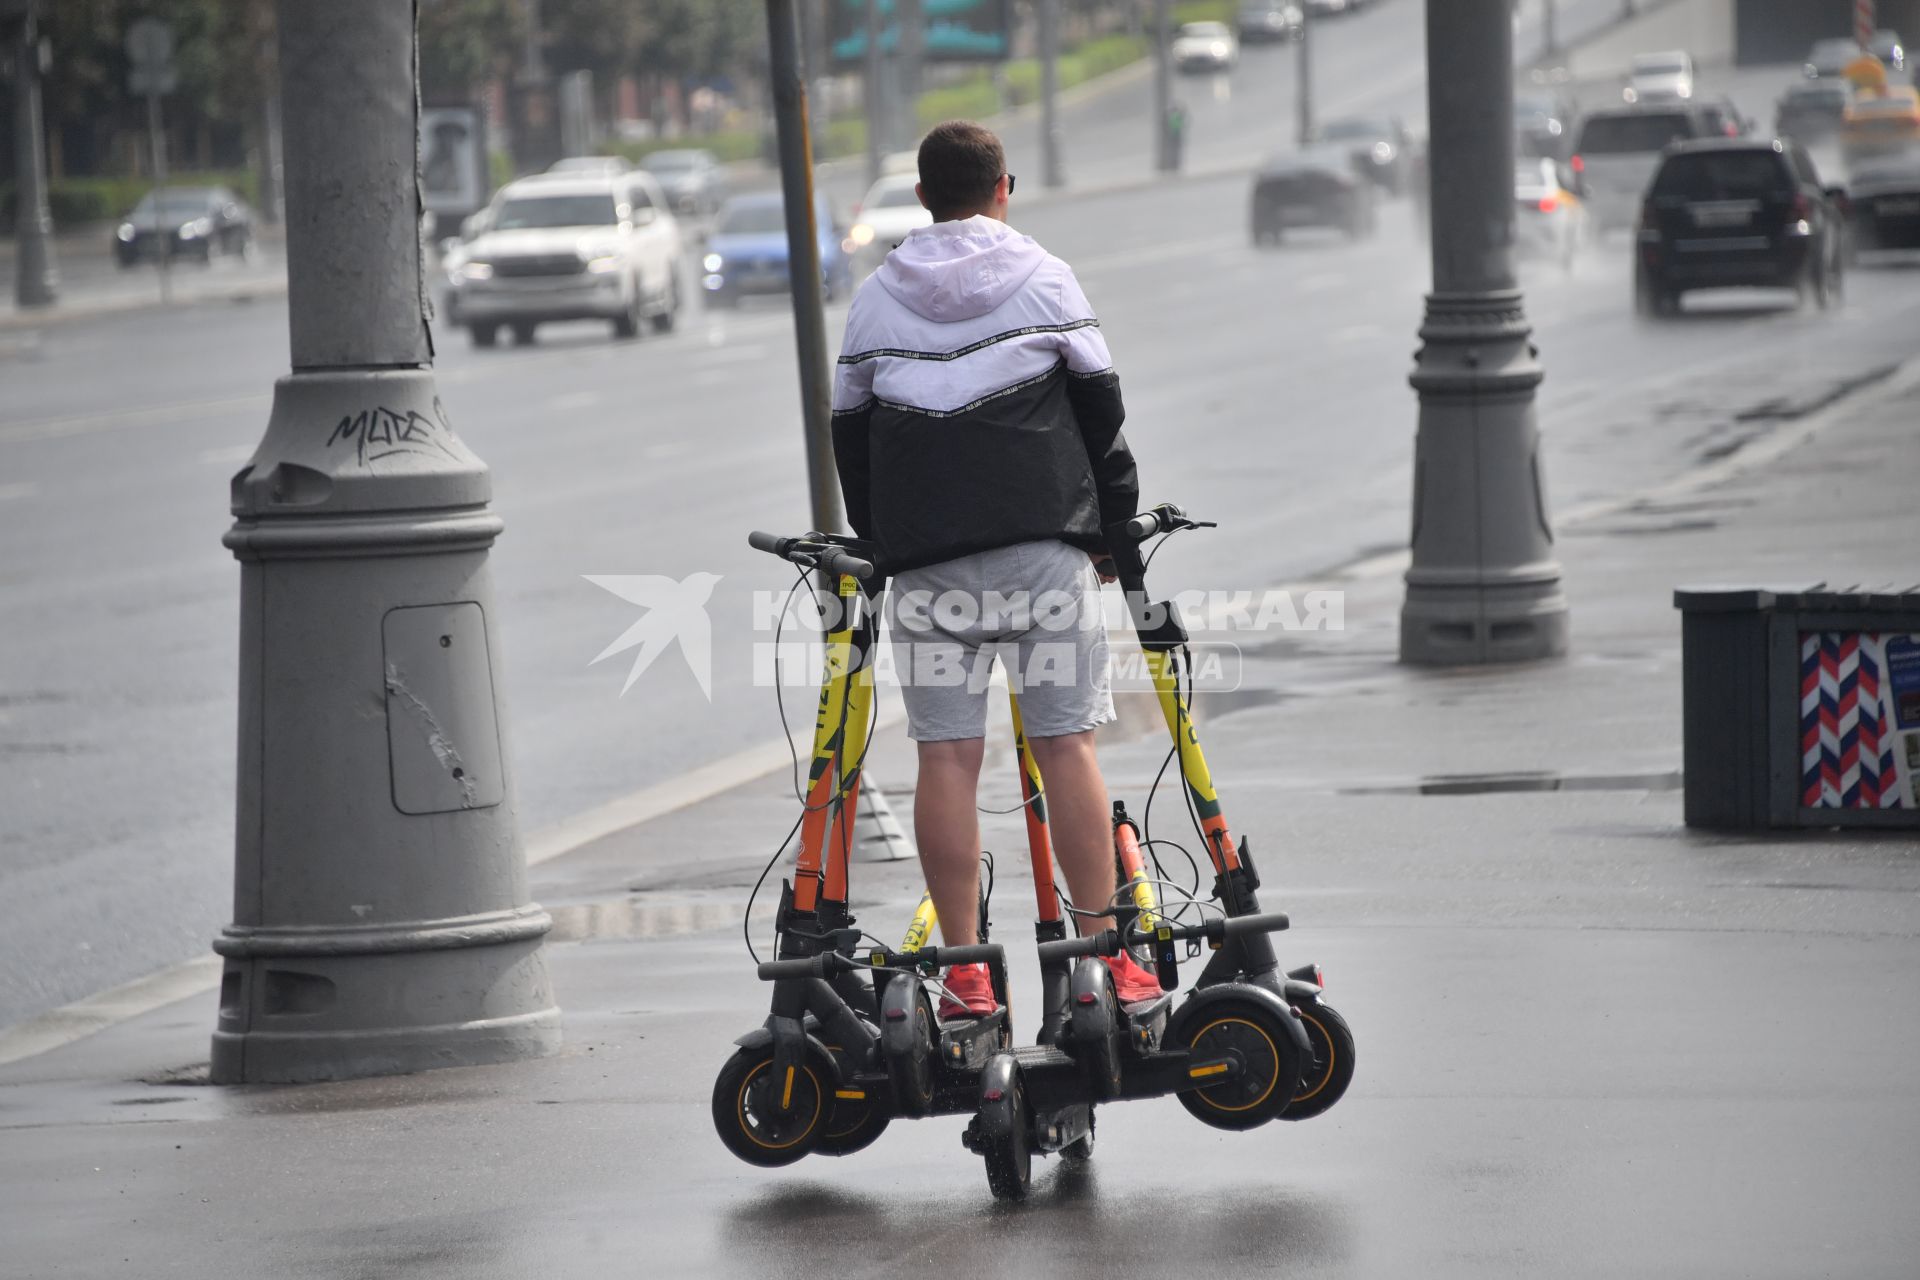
<point>967,1043</point>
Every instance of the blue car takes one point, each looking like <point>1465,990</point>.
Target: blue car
<point>747,251</point>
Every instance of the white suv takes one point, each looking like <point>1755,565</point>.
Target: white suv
<point>569,246</point>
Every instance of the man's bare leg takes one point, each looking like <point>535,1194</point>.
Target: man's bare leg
<point>947,826</point>
<point>1081,817</point>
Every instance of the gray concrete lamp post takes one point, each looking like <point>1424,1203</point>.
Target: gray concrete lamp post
<point>1483,585</point>
<point>381,921</point>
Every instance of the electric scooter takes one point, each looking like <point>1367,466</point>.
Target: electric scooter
<point>846,1046</point>
<point>852,1039</point>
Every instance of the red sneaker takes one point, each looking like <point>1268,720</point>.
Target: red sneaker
<point>1132,983</point>
<point>969,993</point>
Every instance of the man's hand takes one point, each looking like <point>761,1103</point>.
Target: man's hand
<point>1103,565</point>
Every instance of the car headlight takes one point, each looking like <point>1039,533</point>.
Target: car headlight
<point>126,231</point>
<point>195,229</point>
<point>604,263</point>
<point>861,234</point>
<point>713,262</point>
<point>475,270</point>
<point>1382,153</point>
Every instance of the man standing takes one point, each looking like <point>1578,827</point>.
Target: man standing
<point>977,433</point>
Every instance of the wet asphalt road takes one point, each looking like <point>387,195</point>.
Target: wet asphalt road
<point>1266,388</point>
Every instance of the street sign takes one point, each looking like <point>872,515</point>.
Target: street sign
<point>150,51</point>
<point>955,30</point>
<point>150,43</point>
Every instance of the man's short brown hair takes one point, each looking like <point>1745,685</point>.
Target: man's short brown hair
<point>960,162</point>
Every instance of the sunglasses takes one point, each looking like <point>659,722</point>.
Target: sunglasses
<point>1010,181</point>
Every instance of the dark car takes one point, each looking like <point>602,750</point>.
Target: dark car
<point>692,178</point>
<point>1884,205</point>
<point>1812,111</point>
<point>1543,125</point>
<point>1829,58</point>
<point>1379,148</point>
<point>747,252</point>
<point>1267,22</point>
<point>1738,212</point>
<point>1314,188</point>
<point>184,222</point>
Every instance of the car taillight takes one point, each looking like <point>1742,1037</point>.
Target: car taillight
<point>1649,216</point>
<point>856,208</point>
<point>1549,203</point>
<point>1577,165</point>
<point>1802,207</point>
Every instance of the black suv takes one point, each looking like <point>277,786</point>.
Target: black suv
<point>1737,211</point>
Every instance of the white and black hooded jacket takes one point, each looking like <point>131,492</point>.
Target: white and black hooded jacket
<point>976,405</point>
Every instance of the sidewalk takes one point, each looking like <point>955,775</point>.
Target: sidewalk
<point>1592,1041</point>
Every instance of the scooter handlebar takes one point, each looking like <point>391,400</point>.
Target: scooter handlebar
<point>1108,943</point>
<point>812,554</point>
<point>828,963</point>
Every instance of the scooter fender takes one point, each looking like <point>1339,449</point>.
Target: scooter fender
<point>1207,998</point>
<point>897,1024</point>
<point>762,1038</point>
<point>998,1083</point>
<point>1300,992</point>
<point>1092,1018</point>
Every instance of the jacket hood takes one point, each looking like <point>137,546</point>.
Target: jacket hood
<point>959,270</point>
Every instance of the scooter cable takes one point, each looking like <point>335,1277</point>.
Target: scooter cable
<point>746,923</point>
<point>786,732</point>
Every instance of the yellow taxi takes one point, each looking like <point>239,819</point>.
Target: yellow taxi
<point>1882,123</point>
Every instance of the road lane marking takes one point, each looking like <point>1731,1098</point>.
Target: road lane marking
<point>118,419</point>
<point>23,489</point>
<point>83,1018</point>
<point>227,455</point>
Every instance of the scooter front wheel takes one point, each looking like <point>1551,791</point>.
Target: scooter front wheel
<point>1251,1034</point>
<point>772,1122</point>
<point>1331,1069</point>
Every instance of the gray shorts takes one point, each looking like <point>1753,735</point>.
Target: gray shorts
<point>1035,606</point>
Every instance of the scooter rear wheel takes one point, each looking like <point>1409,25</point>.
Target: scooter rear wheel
<point>853,1124</point>
<point>1251,1033</point>
<point>1331,1069</point>
<point>1009,1152</point>
<point>746,1112</point>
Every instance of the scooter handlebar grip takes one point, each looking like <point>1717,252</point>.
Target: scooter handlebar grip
<point>1260,922</point>
<point>772,543</point>
<point>836,561</point>
<point>1143,526</point>
<point>804,967</point>
<point>1104,943</point>
<point>971,953</point>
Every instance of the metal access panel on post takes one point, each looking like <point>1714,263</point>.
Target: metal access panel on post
<point>1801,707</point>
<point>443,738</point>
